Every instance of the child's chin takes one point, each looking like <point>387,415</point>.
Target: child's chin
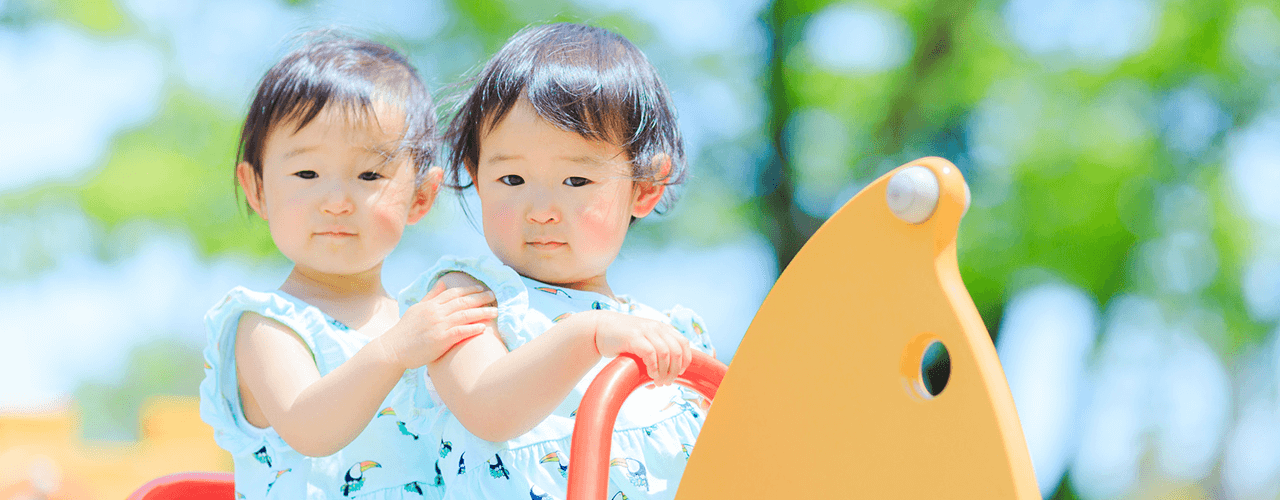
<point>341,268</point>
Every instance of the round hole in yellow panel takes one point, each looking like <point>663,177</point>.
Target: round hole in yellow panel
<point>935,368</point>
<point>926,366</point>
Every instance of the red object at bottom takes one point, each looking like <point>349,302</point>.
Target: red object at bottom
<point>188,485</point>
<point>593,429</point>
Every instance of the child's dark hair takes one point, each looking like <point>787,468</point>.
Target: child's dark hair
<point>334,69</point>
<point>583,79</point>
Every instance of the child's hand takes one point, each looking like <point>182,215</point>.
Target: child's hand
<point>443,318</point>
<point>664,351</point>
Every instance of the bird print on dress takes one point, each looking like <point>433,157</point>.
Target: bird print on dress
<point>352,483</point>
<point>391,412</point>
<point>496,469</point>
<point>262,456</point>
<point>635,471</point>
<point>553,291</point>
<point>554,457</point>
<point>273,481</point>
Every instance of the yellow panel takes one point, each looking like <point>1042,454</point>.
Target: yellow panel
<point>816,403</point>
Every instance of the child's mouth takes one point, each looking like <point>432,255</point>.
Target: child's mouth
<point>546,245</point>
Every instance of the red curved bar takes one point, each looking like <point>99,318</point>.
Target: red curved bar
<point>593,428</point>
<point>188,485</point>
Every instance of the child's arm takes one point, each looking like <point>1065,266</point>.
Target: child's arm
<point>499,395</point>
<point>317,416</point>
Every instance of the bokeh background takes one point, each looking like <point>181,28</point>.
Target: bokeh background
<point>1123,245</point>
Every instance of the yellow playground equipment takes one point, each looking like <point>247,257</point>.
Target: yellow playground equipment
<point>867,372</point>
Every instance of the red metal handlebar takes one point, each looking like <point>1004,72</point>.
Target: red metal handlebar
<point>593,427</point>
<point>188,486</point>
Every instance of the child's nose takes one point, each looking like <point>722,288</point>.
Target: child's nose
<point>337,202</point>
<point>543,211</point>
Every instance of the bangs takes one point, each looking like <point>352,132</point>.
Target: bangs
<point>344,75</point>
<point>585,80</point>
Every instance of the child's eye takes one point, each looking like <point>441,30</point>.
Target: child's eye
<point>370,176</point>
<point>306,174</point>
<point>511,180</point>
<point>577,181</point>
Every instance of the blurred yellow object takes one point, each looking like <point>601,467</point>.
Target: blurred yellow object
<point>828,397</point>
<point>44,456</point>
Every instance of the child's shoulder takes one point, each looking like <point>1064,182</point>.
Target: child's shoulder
<point>240,300</point>
<point>242,307</point>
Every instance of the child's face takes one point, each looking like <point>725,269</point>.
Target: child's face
<point>556,205</point>
<point>333,194</point>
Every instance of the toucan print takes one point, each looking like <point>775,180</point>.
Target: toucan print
<point>553,291</point>
<point>560,317</point>
<point>439,481</point>
<point>496,469</point>
<point>413,487</point>
<point>648,431</point>
<point>536,493</point>
<point>697,327</point>
<point>273,481</point>
<point>389,411</point>
<point>695,398</point>
<point>635,471</point>
<point>239,495</point>
<point>555,457</point>
<point>619,496</point>
<point>445,447</point>
<point>596,305</point>
<point>686,449</point>
<point>262,456</point>
<point>354,483</point>
<point>462,464</point>
<point>405,430</point>
<point>338,324</point>
<point>684,405</point>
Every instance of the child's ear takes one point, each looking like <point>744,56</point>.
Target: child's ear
<point>647,194</point>
<point>425,195</point>
<point>252,189</point>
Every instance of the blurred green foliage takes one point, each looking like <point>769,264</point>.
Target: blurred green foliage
<point>102,16</point>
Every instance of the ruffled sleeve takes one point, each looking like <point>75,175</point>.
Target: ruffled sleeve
<point>219,391</point>
<point>692,326</point>
<point>509,290</point>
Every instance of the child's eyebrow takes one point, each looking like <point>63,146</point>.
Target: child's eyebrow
<point>503,157</point>
<point>385,151</point>
<point>298,151</point>
<point>583,159</point>
<point>588,160</point>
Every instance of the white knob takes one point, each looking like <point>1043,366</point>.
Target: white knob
<point>912,194</point>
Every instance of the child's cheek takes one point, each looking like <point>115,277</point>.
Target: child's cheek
<point>501,221</point>
<point>390,213</point>
<point>601,227</point>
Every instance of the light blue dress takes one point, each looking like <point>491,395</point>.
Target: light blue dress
<point>383,462</point>
<point>655,431</point>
